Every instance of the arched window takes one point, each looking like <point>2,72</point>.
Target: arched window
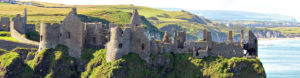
<point>143,46</point>
<point>122,32</point>
<point>59,35</point>
<point>120,45</point>
<point>68,35</point>
<point>94,39</point>
<point>41,38</point>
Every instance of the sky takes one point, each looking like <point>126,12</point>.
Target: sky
<point>283,7</point>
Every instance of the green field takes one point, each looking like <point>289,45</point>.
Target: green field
<point>154,19</point>
<point>5,35</point>
<point>287,30</point>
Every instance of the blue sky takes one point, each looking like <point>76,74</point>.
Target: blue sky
<point>284,7</point>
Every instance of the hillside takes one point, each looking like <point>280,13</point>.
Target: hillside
<point>53,63</point>
<point>230,15</point>
<point>156,21</point>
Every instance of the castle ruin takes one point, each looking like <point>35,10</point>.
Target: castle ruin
<point>132,39</point>
<point>121,40</point>
<point>18,26</point>
<point>17,23</point>
<point>74,34</point>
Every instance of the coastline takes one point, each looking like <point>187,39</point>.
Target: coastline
<point>271,41</point>
<point>267,39</point>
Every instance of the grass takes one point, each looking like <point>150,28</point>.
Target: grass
<point>223,67</point>
<point>2,51</point>
<point>287,30</point>
<point>7,59</point>
<point>98,59</point>
<point>119,14</point>
<point>179,65</point>
<point>5,35</point>
<point>9,39</point>
<point>57,62</point>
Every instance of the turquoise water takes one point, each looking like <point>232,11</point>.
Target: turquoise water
<point>280,58</point>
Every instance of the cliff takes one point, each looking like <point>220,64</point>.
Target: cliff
<point>53,63</point>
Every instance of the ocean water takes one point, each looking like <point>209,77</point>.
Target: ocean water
<point>280,58</point>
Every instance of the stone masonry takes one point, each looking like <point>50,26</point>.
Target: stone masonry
<point>74,34</point>
<point>131,38</point>
<point>124,40</point>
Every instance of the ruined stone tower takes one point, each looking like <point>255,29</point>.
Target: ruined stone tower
<point>71,34</point>
<point>180,38</point>
<point>135,19</point>
<point>242,38</point>
<point>251,45</point>
<point>119,44</point>
<point>230,38</point>
<point>167,38</point>
<point>25,17</point>
<point>123,41</point>
<point>74,34</point>
<point>49,36</point>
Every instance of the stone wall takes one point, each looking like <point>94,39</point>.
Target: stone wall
<point>15,34</point>
<point>17,24</point>
<point>49,35</point>
<point>29,28</point>
<point>226,49</point>
<point>95,35</point>
<point>140,44</point>
<point>4,24</point>
<point>72,35</point>
<point>119,44</point>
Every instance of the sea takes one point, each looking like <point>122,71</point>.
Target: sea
<point>280,58</point>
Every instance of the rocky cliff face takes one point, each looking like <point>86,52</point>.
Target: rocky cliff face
<point>178,65</point>
<point>268,34</point>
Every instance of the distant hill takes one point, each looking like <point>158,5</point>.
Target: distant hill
<point>154,20</point>
<point>228,15</point>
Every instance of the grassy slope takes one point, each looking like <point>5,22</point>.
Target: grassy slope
<point>8,58</point>
<point>287,30</point>
<point>5,35</point>
<point>112,13</point>
<point>57,63</point>
<point>54,63</point>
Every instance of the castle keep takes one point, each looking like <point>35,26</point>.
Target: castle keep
<point>121,40</point>
<point>74,34</point>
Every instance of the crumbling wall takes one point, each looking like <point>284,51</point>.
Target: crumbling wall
<point>17,24</point>
<point>226,49</point>
<point>15,34</point>
<point>4,24</point>
<point>119,44</point>
<point>29,28</point>
<point>72,34</point>
<point>49,35</point>
<point>95,35</point>
<point>140,43</point>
